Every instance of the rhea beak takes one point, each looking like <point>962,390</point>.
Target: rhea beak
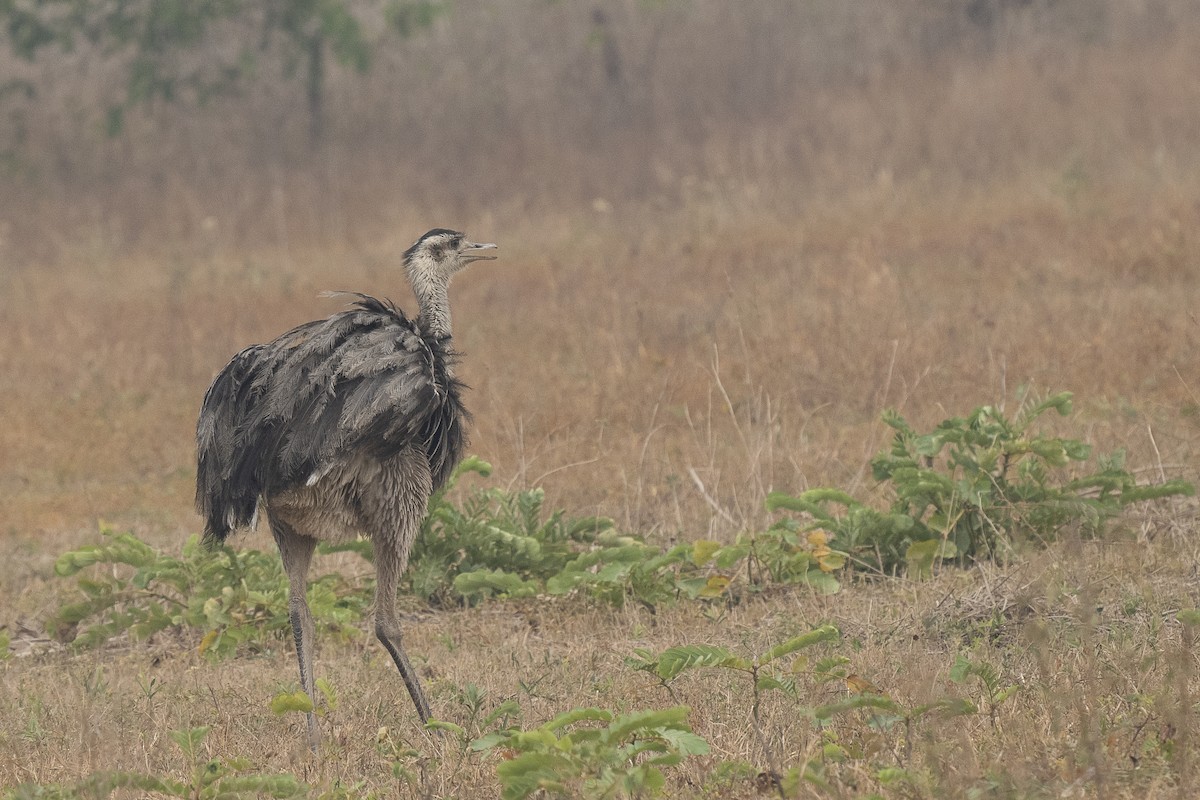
<point>467,256</point>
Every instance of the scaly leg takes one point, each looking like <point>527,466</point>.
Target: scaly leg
<point>390,561</point>
<point>296,552</point>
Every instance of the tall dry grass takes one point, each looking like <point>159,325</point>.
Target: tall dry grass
<point>731,236</point>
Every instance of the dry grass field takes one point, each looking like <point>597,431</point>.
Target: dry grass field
<point>716,273</point>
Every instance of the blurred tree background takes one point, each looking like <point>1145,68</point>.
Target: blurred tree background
<point>139,121</point>
<point>192,52</point>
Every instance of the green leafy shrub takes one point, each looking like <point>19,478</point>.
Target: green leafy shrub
<point>230,597</point>
<point>494,543</point>
<point>971,488</point>
<point>616,757</point>
<point>620,567</point>
<point>504,544</point>
<point>967,490</point>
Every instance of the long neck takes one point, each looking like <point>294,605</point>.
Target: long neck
<point>433,302</point>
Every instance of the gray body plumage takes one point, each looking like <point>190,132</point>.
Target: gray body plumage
<point>341,427</point>
<point>329,409</point>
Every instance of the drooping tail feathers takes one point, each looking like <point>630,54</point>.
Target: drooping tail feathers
<point>227,491</point>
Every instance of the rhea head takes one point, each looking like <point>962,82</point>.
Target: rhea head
<point>430,263</point>
<point>442,252</point>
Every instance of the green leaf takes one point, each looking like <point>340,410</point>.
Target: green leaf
<point>286,702</point>
<point>1005,693</point>
<point>691,587</point>
<point>508,708</point>
<point>442,725</point>
<point>1077,451</point>
<point>714,586</point>
<point>472,464</point>
<point>587,528</point>
<point>565,582</point>
<point>703,550</point>
<point>489,741</point>
<point>947,706</point>
<point>1172,488</point>
<point>769,682</point>
<point>675,660</point>
<point>1189,617</point>
<point>327,693</point>
<point>1051,451</point>
<point>520,777</point>
<point>494,581</point>
<point>731,554</point>
<point>101,784</point>
<point>188,739</point>
<point>649,720</point>
<point>858,701</point>
<point>920,555</point>
<point>684,742</point>
<point>1060,402</point>
<point>891,417</point>
<point>577,715</point>
<point>890,775</point>
<point>825,633</point>
<point>809,502</point>
<point>823,582</point>
<point>70,563</point>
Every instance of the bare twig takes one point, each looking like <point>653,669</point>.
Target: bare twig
<point>538,480</point>
<point>1162,474</point>
<point>709,498</point>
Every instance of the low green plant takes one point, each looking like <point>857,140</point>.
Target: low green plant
<point>884,714</point>
<point>229,597</point>
<point>762,671</point>
<point>210,779</point>
<point>993,689</point>
<point>971,488</point>
<point>782,554</point>
<point>589,752</point>
<point>775,670</point>
<point>297,701</point>
<point>412,767</point>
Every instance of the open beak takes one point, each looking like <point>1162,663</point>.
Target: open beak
<point>470,252</point>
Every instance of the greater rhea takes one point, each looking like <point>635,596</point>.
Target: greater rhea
<point>341,427</point>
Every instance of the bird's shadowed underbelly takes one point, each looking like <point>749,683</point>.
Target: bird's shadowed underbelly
<point>364,496</point>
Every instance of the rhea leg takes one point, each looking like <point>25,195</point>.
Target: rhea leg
<point>390,559</point>
<point>297,551</point>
